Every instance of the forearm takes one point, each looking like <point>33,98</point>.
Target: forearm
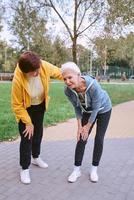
<point>17,103</point>
<point>79,123</point>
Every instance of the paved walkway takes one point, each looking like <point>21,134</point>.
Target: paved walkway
<point>116,171</point>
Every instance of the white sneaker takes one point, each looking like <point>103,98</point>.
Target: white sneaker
<point>74,176</point>
<point>94,177</point>
<point>39,162</point>
<point>25,176</point>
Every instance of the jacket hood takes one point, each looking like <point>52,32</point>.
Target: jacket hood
<point>89,81</point>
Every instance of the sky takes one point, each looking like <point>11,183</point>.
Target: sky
<point>56,30</point>
<point>5,34</point>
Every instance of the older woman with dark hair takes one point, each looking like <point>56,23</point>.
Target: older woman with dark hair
<point>92,105</point>
<point>30,88</point>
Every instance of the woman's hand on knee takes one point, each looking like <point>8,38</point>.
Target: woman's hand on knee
<point>29,130</point>
<point>85,131</point>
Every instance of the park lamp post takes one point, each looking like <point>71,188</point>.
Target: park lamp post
<point>91,47</point>
<point>91,60</point>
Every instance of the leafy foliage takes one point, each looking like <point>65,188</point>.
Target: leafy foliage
<point>121,13</point>
<point>76,16</point>
<point>118,51</point>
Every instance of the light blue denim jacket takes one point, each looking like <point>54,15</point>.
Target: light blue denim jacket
<point>96,99</point>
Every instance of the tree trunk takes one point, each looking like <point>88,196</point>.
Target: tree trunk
<point>74,50</point>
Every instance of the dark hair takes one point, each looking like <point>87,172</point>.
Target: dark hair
<point>29,62</point>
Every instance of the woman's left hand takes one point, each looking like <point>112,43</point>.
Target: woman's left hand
<point>85,131</point>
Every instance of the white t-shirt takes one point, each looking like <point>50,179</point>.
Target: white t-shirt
<point>36,90</point>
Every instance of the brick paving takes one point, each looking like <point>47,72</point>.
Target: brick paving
<point>116,171</point>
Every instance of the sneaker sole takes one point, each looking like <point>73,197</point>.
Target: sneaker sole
<point>25,183</point>
<point>93,181</point>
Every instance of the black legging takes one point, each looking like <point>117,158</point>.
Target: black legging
<point>32,145</point>
<point>102,121</point>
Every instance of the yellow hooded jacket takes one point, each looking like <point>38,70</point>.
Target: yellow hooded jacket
<point>20,97</point>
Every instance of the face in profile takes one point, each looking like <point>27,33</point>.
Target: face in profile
<point>71,78</point>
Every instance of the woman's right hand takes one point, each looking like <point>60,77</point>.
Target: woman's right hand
<point>79,129</point>
<point>79,133</point>
<point>29,130</point>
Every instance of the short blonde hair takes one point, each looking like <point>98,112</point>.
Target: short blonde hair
<point>70,65</point>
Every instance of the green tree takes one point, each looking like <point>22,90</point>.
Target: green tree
<point>119,51</point>
<point>28,27</point>
<point>121,13</point>
<point>8,56</point>
<point>77,16</point>
<point>60,52</point>
<point>83,56</point>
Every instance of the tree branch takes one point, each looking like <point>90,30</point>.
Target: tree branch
<point>90,24</point>
<point>67,27</point>
<point>86,9</point>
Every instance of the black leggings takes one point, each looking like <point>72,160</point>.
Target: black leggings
<point>32,145</point>
<point>102,121</point>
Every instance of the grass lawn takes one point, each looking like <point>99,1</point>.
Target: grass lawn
<point>59,109</point>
